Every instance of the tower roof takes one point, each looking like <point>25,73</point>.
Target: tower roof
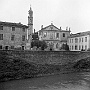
<point>30,8</point>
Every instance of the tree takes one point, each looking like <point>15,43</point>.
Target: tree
<point>38,44</point>
<point>65,46</point>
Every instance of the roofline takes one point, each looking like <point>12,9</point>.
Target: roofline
<point>13,24</point>
<point>79,34</point>
<point>53,30</point>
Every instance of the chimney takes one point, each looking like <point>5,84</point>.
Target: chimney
<point>69,29</point>
<point>42,27</point>
<point>66,28</point>
<point>60,28</point>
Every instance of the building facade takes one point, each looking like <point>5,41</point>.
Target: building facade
<point>12,35</point>
<point>79,41</point>
<point>53,36</point>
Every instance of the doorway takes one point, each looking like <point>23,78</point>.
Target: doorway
<point>6,47</point>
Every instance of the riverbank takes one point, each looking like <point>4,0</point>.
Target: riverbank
<point>16,67</point>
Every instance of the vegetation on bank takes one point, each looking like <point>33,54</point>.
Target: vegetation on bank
<point>16,68</point>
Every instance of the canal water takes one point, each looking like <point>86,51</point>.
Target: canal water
<point>71,81</point>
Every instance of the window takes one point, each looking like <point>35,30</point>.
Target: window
<point>57,35</point>
<point>76,40</point>
<point>82,47</point>
<point>0,46</point>
<point>23,29</point>
<point>1,27</point>
<point>85,39</point>
<point>72,40</point>
<point>63,34</point>
<point>22,47</point>
<point>23,37</point>
<point>12,47</point>
<point>12,37</point>
<point>13,28</point>
<point>57,45</point>
<point>72,47</point>
<point>6,47</point>
<point>82,39</point>
<point>76,47</point>
<point>79,47</point>
<point>1,36</point>
<point>85,47</point>
<point>45,34</point>
<point>51,35</point>
<point>79,39</point>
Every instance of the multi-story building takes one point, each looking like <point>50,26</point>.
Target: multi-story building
<point>53,36</point>
<point>79,41</point>
<point>12,35</point>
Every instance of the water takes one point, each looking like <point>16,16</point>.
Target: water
<point>72,81</point>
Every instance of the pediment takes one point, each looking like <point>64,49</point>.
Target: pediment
<point>50,27</point>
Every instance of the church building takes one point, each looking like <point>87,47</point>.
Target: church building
<point>54,36</point>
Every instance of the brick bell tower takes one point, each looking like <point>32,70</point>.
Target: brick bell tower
<point>30,26</point>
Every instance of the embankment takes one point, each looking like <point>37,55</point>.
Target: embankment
<point>28,64</point>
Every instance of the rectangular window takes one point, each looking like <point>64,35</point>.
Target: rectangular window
<point>85,47</point>
<point>63,34</point>
<point>1,36</point>
<point>72,40</point>
<point>79,39</point>
<point>82,47</point>
<point>23,29</point>
<point>1,27</point>
<point>12,47</point>
<point>57,45</point>
<point>1,47</point>
<point>76,48</point>
<point>23,37</point>
<point>13,28</point>
<point>79,47</point>
<point>82,39</point>
<point>76,40</point>
<point>85,39</point>
<point>12,37</point>
<point>72,47</point>
<point>57,35</point>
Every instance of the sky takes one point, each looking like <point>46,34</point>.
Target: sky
<point>63,13</point>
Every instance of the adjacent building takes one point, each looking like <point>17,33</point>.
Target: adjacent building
<point>12,35</point>
<point>53,36</point>
<point>79,41</point>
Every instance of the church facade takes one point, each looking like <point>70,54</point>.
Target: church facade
<point>53,36</point>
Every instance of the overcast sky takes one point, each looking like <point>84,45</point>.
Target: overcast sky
<point>72,13</point>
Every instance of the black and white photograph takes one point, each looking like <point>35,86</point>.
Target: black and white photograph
<point>44,44</point>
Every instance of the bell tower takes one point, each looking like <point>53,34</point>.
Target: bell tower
<point>30,26</point>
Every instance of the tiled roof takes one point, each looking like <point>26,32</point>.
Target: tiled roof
<point>79,34</point>
<point>13,24</point>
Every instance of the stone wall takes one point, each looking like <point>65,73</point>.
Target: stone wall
<point>48,57</point>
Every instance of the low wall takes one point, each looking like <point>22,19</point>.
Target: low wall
<point>48,57</point>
